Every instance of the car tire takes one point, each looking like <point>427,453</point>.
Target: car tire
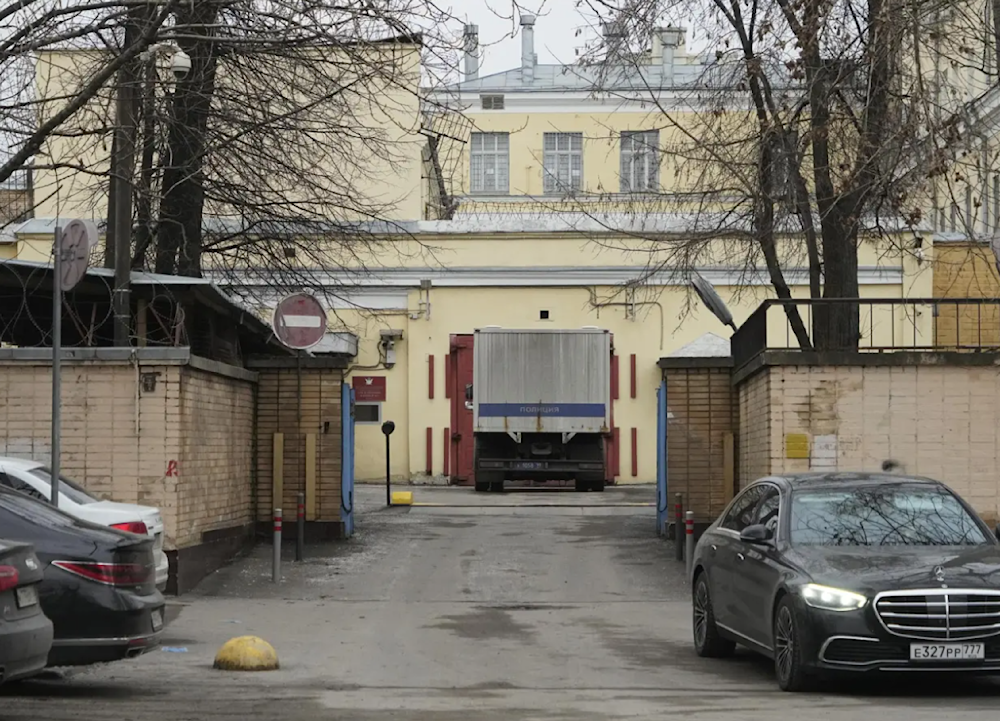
<point>708,642</point>
<point>482,487</point>
<point>789,669</point>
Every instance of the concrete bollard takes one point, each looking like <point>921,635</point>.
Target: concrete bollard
<point>276,561</point>
<point>689,543</point>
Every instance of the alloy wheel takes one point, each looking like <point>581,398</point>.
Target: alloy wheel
<point>701,610</point>
<point>784,643</point>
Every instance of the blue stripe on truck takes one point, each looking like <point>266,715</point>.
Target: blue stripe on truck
<point>528,410</point>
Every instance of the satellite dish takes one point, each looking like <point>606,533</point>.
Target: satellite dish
<point>711,299</point>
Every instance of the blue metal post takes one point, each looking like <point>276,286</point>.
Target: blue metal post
<point>347,459</point>
<point>662,505</point>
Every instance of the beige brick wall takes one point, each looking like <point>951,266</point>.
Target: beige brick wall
<point>318,411</point>
<point>754,428</point>
<point>702,410</point>
<point>183,446</point>
<point>214,486</point>
<point>116,440</point>
<point>937,421</point>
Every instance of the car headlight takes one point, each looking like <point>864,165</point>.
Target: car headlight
<point>832,599</point>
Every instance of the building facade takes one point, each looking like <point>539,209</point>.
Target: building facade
<point>540,204</point>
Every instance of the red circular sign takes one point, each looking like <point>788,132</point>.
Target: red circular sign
<point>299,321</point>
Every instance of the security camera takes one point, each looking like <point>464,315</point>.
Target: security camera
<point>180,64</point>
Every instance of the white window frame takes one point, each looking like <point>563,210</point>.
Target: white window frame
<point>562,163</point>
<point>489,163</point>
<point>640,160</point>
<point>376,422</point>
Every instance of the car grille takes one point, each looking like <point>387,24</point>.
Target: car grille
<point>940,614</point>
<point>857,651</point>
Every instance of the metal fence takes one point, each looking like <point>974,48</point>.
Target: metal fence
<point>883,324</point>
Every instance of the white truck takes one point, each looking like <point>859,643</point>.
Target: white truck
<point>541,402</point>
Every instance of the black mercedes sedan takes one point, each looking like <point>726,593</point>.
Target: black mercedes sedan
<point>849,572</point>
<point>98,586</point>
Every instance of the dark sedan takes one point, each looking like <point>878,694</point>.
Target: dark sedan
<point>25,632</point>
<point>99,583</point>
<point>849,572</point>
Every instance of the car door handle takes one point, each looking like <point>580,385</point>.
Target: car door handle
<point>740,557</point>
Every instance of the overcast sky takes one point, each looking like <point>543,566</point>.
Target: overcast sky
<point>556,38</point>
<point>561,29</point>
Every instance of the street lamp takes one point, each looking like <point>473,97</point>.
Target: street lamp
<point>122,167</point>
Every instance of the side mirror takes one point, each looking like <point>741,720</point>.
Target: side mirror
<point>758,534</point>
<point>468,391</point>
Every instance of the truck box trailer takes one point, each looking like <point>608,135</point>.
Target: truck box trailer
<point>541,403</point>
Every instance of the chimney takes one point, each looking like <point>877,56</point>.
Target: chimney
<point>671,38</point>
<point>527,49</point>
<point>471,48</point>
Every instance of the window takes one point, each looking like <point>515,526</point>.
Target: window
<point>996,203</point>
<point>784,164</point>
<point>768,509</point>
<point>67,488</point>
<point>491,102</point>
<point>563,162</point>
<point>543,315</point>
<point>741,513</point>
<point>640,161</point>
<point>897,515</point>
<point>18,485</point>
<point>367,412</point>
<point>489,162</point>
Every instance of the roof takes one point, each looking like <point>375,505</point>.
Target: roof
<point>641,74</point>
<point>23,463</point>
<point>221,327</point>
<point>707,346</point>
<point>839,479</point>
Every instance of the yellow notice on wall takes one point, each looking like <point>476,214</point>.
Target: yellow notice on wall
<point>796,445</point>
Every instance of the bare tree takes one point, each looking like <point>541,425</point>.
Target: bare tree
<point>808,127</point>
<point>294,142</point>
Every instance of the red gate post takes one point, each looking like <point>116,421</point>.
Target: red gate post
<point>689,534</point>
<point>276,561</point>
<point>678,522</point>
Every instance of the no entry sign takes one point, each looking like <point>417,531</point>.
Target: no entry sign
<point>299,321</point>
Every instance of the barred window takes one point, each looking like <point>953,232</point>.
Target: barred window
<point>640,161</point>
<point>563,162</point>
<point>490,156</point>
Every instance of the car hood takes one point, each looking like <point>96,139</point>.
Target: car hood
<point>874,569</point>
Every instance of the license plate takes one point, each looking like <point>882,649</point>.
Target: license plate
<point>158,619</point>
<point>27,596</point>
<point>528,465</point>
<point>947,652</point>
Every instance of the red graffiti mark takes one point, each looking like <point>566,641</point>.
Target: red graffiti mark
<point>171,468</point>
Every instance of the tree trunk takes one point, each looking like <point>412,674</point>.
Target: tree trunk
<point>179,232</point>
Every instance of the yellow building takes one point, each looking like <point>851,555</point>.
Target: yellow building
<point>531,214</point>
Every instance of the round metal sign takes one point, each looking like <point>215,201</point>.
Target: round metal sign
<point>299,321</point>
<point>74,245</point>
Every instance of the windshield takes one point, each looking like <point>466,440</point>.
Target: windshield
<point>66,487</point>
<point>897,515</point>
